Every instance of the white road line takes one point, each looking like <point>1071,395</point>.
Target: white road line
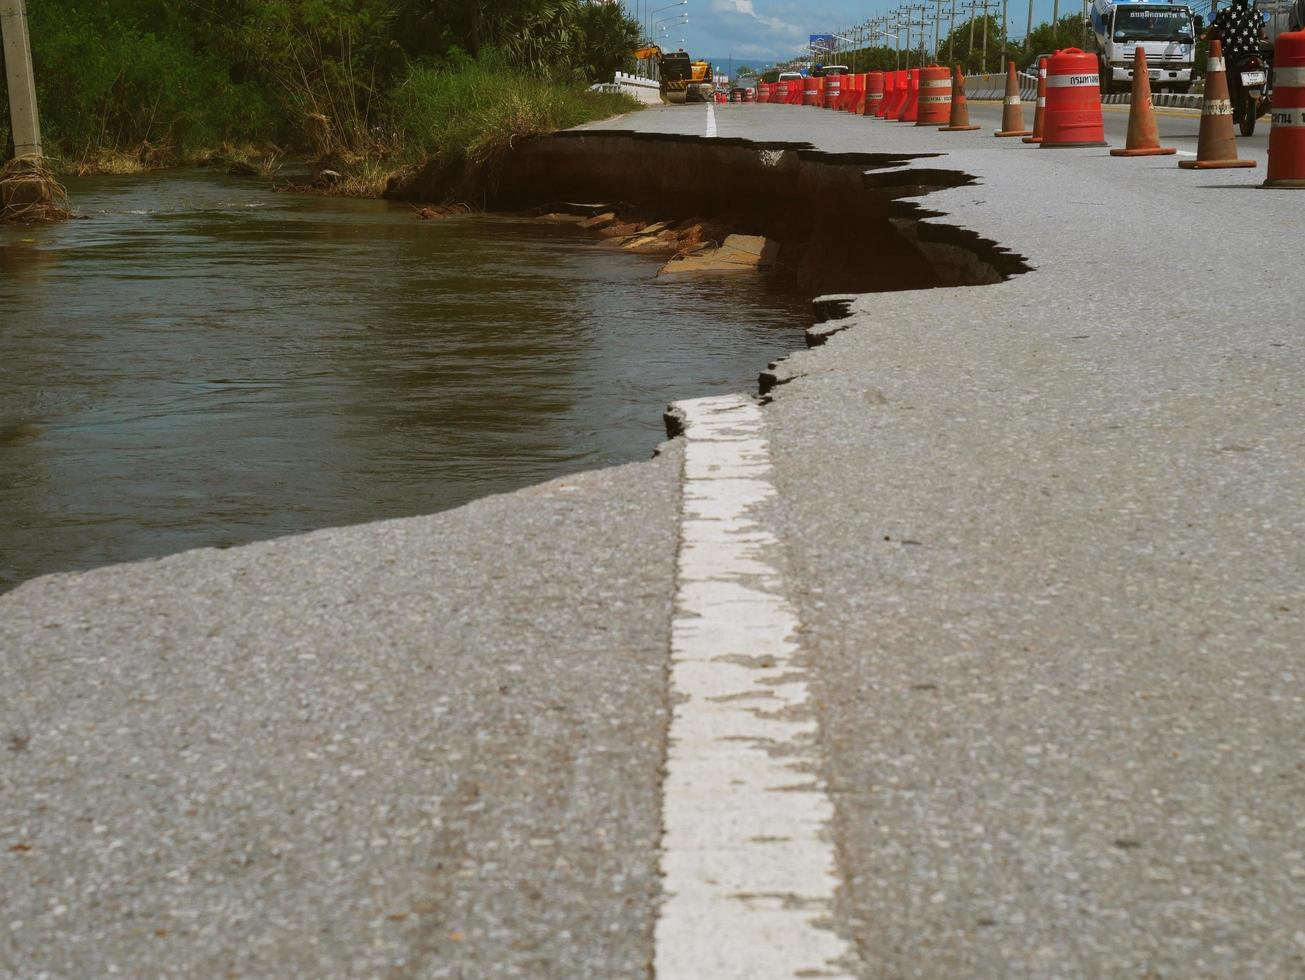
<point>711,120</point>
<point>749,871</point>
<point>1185,153</point>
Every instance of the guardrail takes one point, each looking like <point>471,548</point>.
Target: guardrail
<point>994,87</point>
<point>644,89</point>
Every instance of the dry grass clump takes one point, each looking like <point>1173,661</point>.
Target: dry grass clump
<point>29,193</point>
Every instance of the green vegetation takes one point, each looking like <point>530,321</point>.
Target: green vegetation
<point>472,110</point>
<point>369,84</point>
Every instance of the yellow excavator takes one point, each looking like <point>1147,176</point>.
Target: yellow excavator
<point>682,80</point>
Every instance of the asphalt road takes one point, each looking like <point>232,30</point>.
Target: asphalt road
<point>420,748</point>
<point>1047,546</point>
<point>1049,535</point>
<point>1180,127</point>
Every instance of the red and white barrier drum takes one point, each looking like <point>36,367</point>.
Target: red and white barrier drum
<point>874,94</point>
<point>1072,116</point>
<point>1287,137</point>
<point>810,91</point>
<point>935,96</point>
<point>833,90</point>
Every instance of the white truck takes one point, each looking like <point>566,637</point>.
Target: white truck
<point>1166,31</point>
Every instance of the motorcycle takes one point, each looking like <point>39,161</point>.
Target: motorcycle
<point>1250,86</point>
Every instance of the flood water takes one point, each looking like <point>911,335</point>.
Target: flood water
<point>206,363</point>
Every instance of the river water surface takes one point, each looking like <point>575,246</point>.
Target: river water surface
<point>205,363</point>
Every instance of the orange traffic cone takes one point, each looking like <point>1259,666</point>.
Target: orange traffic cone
<point>1012,115</point>
<point>1143,136</point>
<point>1215,146</point>
<point>960,118</point>
<point>1040,113</point>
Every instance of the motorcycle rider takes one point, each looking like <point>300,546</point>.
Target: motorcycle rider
<point>1240,28</point>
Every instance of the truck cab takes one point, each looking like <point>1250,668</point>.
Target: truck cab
<point>1167,32</point>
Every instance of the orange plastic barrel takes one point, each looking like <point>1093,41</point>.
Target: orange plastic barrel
<point>833,90</point>
<point>874,94</point>
<point>1287,137</point>
<point>810,91</point>
<point>763,91</point>
<point>935,96</point>
<point>1073,113</point>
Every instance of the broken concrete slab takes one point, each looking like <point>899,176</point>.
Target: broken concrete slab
<point>738,253</point>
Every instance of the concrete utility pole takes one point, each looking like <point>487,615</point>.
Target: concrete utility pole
<point>937,25</point>
<point>23,119</point>
<point>951,35</point>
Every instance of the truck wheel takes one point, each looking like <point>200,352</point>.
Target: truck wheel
<point>1107,82</point>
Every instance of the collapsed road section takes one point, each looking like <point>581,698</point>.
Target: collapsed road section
<point>842,220</point>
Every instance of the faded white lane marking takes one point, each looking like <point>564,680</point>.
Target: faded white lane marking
<point>711,120</point>
<point>749,871</point>
<point>1185,153</point>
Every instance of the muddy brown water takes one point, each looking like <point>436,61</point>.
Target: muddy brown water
<point>205,363</point>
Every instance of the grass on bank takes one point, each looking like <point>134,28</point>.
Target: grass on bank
<point>463,114</point>
<point>475,111</point>
<point>463,117</point>
<point>466,117</point>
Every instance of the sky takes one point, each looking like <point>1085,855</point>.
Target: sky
<point>755,32</point>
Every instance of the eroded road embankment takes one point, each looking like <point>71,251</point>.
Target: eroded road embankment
<point>843,220</point>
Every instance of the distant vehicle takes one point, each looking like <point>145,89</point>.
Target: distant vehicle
<point>1167,32</point>
<point>1032,68</point>
<point>825,71</point>
<point>682,80</point>
<point>790,76</point>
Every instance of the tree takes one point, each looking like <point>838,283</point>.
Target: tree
<point>608,36</point>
